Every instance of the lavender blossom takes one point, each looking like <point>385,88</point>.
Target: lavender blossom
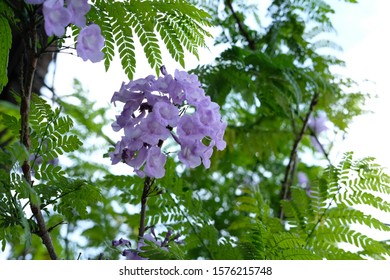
<point>133,254</point>
<point>166,113</point>
<point>155,163</point>
<point>57,17</point>
<point>317,125</point>
<point>303,180</point>
<point>89,43</point>
<point>189,128</point>
<point>153,131</point>
<point>78,9</point>
<point>189,154</point>
<point>194,152</point>
<point>121,241</point>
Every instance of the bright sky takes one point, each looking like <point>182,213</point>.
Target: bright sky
<point>363,33</point>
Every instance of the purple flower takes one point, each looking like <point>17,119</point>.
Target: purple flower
<point>117,155</point>
<point>164,84</point>
<point>303,180</point>
<point>188,154</point>
<point>132,255</point>
<point>119,242</point>
<point>155,163</point>
<point>89,43</point>
<point>57,17</point>
<point>218,137</point>
<point>137,157</point>
<point>153,131</point>
<point>188,81</point>
<point>318,124</point>
<point>166,113</point>
<point>78,9</point>
<point>163,70</point>
<point>208,114</point>
<point>134,91</point>
<point>196,97</point>
<point>194,152</point>
<point>125,95</point>
<point>189,128</point>
<point>185,85</point>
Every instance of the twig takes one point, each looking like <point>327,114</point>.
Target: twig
<point>56,225</point>
<point>251,42</point>
<point>325,153</point>
<point>287,181</point>
<point>144,200</point>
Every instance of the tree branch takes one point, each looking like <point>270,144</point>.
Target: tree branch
<point>30,64</point>
<point>244,33</point>
<point>144,200</point>
<point>288,175</point>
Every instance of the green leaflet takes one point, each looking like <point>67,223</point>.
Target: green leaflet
<point>5,46</point>
<point>331,214</point>
<point>50,134</point>
<point>180,26</point>
<point>262,236</point>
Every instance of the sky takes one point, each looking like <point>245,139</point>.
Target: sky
<point>362,31</point>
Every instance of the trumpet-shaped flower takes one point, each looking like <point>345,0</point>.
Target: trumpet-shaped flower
<point>57,17</point>
<point>90,43</point>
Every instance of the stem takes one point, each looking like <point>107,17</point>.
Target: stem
<point>324,152</point>
<point>144,200</point>
<point>30,64</point>
<point>288,175</point>
<point>251,42</point>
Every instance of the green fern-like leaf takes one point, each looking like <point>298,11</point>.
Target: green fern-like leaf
<point>153,251</point>
<point>5,46</point>
<point>334,212</point>
<point>264,236</point>
<point>144,29</point>
<point>179,24</point>
<point>75,197</point>
<point>50,132</point>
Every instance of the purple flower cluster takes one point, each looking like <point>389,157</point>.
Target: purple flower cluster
<point>133,254</point>
<point>58,16</point>
<point>156,109</point>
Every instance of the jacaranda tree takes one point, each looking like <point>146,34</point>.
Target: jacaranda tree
<point>217,157</point>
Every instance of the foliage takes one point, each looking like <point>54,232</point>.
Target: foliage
<point>180,25</point>
<point>5,45</point>
<point>250,204</point>
<point>322,218</point>
<point>70,197</point>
